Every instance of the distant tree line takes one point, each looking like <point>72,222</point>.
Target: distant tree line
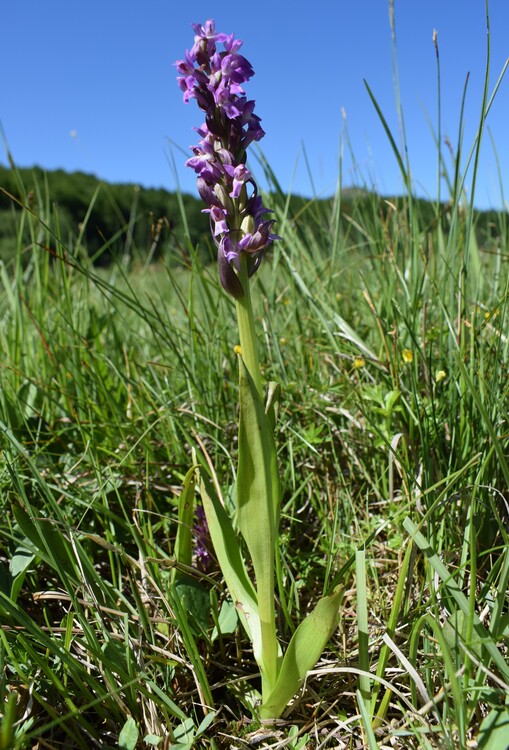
<point>114,221</point>
<point>109,220</point>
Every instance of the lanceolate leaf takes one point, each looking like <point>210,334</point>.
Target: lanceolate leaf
<point>257,478</point>
<point>303,652</point>
<point>227,551</point>
<point>258,512</point>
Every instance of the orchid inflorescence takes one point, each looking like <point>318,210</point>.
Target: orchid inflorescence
<point>215,80</point>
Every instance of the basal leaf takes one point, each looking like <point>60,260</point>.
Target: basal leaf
<point>303,652</point>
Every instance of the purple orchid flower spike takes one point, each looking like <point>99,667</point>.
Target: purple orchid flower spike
<point>215,80</point>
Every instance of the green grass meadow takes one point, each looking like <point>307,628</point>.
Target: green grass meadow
<point>388,332</point>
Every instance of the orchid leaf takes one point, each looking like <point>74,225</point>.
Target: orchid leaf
<point>303,652</point>
<point>258,512</point>
<point>226,547</point>
<point>257,478</point>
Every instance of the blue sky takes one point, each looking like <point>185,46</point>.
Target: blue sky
<point>91,86</point>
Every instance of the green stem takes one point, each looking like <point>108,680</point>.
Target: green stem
<point>247,333</point>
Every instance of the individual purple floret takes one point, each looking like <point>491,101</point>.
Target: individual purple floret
<point>224,182</point>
